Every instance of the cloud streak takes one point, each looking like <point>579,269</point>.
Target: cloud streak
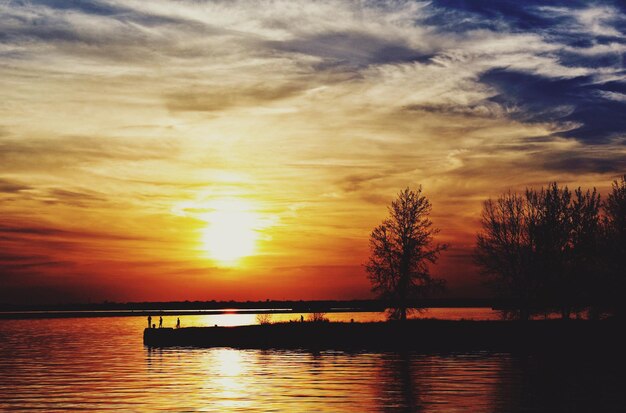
<point>116,112</point>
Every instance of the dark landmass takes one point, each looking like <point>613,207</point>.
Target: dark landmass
<point>428,335</point>
<point>110,309</point>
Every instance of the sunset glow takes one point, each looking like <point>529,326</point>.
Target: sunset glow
<point>245,150</point>
<point>312,205</point>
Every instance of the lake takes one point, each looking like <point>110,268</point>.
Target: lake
<point>101,364</point>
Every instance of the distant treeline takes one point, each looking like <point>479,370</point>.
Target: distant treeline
<point>293,305</point>
<point>554,249</point>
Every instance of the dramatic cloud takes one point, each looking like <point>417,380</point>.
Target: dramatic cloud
<point>119,114</point>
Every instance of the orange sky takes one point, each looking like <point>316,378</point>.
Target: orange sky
<point>126,137</point>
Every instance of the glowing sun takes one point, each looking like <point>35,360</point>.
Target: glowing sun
<point>232,230</point>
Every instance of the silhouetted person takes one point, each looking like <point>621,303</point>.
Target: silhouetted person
<point>160,322</point>
<point>149,321</point>
<point>301,318</point>
<point>178,323</point>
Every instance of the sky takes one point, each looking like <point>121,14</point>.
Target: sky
<point>191,150</point>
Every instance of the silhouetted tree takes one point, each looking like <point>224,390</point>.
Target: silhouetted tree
<point>540,249</point>
<point>317,317</point>
<point>615,245</point>
<point>264,318</point>
<point>402,249</point>
<point>504,250</point>
<point>550,226</point>
<point>584,250</point>
<point>615,209</point>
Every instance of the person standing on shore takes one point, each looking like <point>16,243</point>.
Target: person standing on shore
<point>149,321</point>
<point>177,322</point>
<point>160,322</point>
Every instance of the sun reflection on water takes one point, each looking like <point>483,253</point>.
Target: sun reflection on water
<point>226,378</point>
<point>99,364</point>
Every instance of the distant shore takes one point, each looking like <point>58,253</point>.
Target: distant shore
<point>178,308</point>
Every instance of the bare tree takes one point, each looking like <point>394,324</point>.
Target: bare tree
<point>401,250</point>
<point>615,245</point>
<point>540,249</point>
<point>317,317</point>
<point>615,208</point>
<point>504,250</point>
<point>550,226</point>
<point>584,251</point>
<point>264,318</point>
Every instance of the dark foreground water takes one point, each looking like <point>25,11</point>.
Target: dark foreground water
<point>101,364</point>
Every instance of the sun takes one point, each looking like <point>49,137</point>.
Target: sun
<point>231,232</point>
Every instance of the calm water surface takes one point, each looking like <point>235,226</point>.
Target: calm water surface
<point>101,364</point>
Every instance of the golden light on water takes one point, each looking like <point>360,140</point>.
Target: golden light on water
<point>228,379</point>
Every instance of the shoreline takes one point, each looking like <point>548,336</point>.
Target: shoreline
<point>424,334</point>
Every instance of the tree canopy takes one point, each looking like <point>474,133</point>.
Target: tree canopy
<point>552,250</point>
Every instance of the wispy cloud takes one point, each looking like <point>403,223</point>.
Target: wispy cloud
<point>116,111</point>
